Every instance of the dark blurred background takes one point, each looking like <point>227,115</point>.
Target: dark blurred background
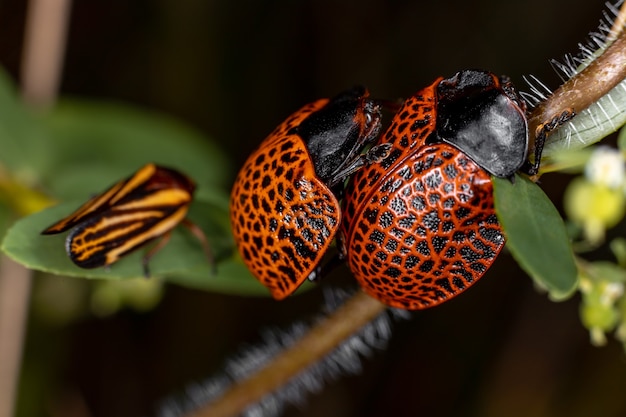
<point>235,70</point>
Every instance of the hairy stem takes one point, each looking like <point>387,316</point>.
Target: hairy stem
<point>317,343</point>
<point>585,88</point>
<point>618,24</point>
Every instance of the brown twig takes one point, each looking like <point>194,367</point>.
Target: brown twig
<point>44,49</point>
<point>15,282</point>
<point>43,53</point>
<point>317,343</point>
<point>586,87</point>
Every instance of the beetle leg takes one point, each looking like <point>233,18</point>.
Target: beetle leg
<point>373,156</point>
<point>377,153</point>
<point>199,234</point>
<point>541,134</point>
<point>153,250</point>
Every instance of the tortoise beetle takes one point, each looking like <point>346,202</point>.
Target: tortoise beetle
<point>284,209</point>
<point>420,227</point>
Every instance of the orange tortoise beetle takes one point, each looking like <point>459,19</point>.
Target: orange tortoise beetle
<point>420,227</point>
<point>284,208</point>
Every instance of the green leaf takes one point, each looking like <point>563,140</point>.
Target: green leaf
<point>621,140</point>
<point>618,247</point>
<point>599,120</point>
<point>233,277</point>
<point>181,261</point>
<point>25,147</point>
<point>536,235</point>
<point>79,148</point>
<point>96,144</point>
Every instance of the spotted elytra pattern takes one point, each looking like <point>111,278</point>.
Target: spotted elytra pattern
<point>428,233</point>
<point>409,130</point>
<point>284,210</point>
<point>280,213</point>
<point>420,227</point>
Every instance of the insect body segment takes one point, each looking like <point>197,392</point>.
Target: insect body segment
<point>420,227</point>
<point>284,209</point>
<point>131,213</point>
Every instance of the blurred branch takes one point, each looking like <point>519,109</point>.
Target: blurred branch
<point>15,285</point>
<point>44,50</point>
<point>46,29</point>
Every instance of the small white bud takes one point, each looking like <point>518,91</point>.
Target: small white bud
<point>606,167</point>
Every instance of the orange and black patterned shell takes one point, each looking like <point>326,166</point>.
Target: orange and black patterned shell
<point>282,215</point>
<point>420,227</point>
<point>428,233</point>
<point>410,128</point>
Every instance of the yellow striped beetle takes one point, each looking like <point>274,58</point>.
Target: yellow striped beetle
<point>131,213</point>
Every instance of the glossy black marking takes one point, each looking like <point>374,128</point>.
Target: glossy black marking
<point>484,120</point>
<point>426,266</point>
<point>377,237</point>
<point>439,243</point>
<point>398,205</point>
<point>392,272</point>
<point>445,284</point>
<point>386,220</point>
<point>418,203</point>
<point>407,222</point>
<point>423,248</point>
<point>431,220</point>
<point>468,254</point>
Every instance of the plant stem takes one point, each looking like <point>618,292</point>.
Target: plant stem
<point>618,24</point>
<point>584,88</point>
<point>317,343</point>
<point>15,285</point>
<point>46,29</point>
<point>44,50</point>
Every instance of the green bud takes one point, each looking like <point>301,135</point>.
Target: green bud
<point>602,316</point>
<point>140,294</point>
<point>594,207</point>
